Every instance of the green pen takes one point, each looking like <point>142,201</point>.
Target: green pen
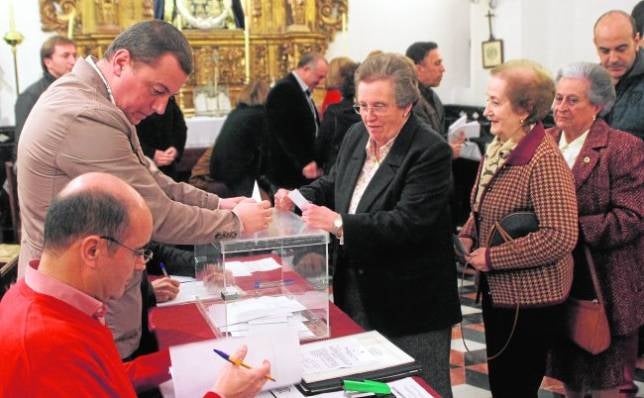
<point>366,386</point>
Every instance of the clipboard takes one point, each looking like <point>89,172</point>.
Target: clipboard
<point>374,358</point>
<point>387,374</point>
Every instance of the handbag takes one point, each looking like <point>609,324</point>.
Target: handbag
<point>514,225</point>
<point>586,321</point>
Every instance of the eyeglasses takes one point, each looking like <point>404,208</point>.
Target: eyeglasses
<point>378,109</point>
<point>145,253</point>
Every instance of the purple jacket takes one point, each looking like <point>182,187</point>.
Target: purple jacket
<point>609,181</point>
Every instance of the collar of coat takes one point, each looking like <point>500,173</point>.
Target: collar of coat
<point>526,148</point>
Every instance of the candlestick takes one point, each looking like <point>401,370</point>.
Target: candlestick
<point>14,38</point>
<point>12,20</point>
<point>247,3</point>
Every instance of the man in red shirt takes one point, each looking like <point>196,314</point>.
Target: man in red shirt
<point>54,341</point>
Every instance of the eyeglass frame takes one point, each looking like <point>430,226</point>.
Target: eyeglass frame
<point>147,254</point>
<point>378,109</point>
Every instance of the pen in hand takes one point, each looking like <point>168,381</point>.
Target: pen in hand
<point>237,362</point>
<point>165,271</point>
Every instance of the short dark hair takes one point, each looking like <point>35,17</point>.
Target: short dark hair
<point>529,88</point>
<point>80,214</point>
<point>147,41</point>
<point>254,93</point>
<point>49,46</point>
<point>638,16</point>
<point>419,50</point>
<point>348,84</point>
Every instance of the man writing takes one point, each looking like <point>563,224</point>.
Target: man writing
<point>293,124</point>
<point>54,342</point>
<point>57,57</point>
<point>617,41</point>
<point>85,122</point>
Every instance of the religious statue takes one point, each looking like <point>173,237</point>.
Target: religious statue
<point>296,12</point>
<point>107,13</point>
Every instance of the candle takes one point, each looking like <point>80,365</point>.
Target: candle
<point>247,40</point>
<point>70,24</point>
<point>344,21</point>
<point>12,20</point>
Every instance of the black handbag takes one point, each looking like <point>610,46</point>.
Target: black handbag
<point>514,225</point>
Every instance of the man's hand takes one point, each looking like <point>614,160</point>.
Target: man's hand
<point>457,145</point>
<point>165,289</point>
<point>319,217</point>
<point>254,216</point>
<point>238,382</point>
<point>282,201</point>
<point>311,171</point>
<point>230,203</point>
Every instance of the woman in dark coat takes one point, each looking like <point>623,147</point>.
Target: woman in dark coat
<point>236,159</point>
<point>608,166</point>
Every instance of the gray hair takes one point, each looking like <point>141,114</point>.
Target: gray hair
<point>147,41</point>
<point>310,59</point>
<point>80,214</point>
<point>601,91</point>
<point>396,68</point>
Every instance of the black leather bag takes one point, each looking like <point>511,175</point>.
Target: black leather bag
<point>514,225</point>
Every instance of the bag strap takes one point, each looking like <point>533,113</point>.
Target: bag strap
<point>593,274</point>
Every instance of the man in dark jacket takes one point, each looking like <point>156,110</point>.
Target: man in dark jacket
<point>57,57</point>
<point>617,42</point>
<point>293,124</point>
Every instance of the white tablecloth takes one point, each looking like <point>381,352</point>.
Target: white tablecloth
<point>203,130</point>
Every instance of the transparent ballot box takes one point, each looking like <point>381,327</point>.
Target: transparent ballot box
<point>274,276</point>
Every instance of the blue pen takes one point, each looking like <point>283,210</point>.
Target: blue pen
<point>237,362</point>
<point>269,284</point>
<point>165,271</point>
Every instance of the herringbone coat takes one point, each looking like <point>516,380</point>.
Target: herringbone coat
<point>609,180</point>
<point>534,270</point>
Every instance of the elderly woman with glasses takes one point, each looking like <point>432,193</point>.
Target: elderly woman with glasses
<point>386,201</point>
<point>608,166</point>
<point>524,281</point>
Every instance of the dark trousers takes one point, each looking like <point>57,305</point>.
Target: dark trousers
<point>519,370</point>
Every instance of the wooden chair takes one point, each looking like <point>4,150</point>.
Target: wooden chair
<point>12,188</point>
<point>8,275</point>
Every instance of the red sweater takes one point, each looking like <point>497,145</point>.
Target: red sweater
<point>49,348</point>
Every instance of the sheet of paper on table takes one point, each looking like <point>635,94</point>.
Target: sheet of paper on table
<point>236,317</point>
<point>403,388</point>
<point>339,357</point>
<point>191,291</point>
<point>195,366</point>
<point>247,268</point>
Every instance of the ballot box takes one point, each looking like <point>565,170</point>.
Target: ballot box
<point>277,275</point>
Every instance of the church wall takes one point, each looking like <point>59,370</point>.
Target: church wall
<point>552,32</point>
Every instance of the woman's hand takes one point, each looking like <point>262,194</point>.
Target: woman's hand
<point>477,259</point>
<point>319,217</point>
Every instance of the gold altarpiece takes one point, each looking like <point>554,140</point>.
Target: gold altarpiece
<point>280,31</point>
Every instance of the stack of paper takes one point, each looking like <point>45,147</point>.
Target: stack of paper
<point>236,317</point>
<point>461,127</point>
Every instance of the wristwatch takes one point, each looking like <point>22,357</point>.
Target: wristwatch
<point>337,224</point>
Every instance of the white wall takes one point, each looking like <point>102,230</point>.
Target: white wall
<point>552,32</point>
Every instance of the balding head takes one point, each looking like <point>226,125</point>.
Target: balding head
<point>94,235</point>
<point>616,40</point>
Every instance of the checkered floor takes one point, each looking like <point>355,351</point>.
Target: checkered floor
<point>469,369</point>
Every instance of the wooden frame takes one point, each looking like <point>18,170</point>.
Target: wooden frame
<point>492,53</point>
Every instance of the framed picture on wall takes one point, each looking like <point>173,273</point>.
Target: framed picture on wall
<point>492,53</point>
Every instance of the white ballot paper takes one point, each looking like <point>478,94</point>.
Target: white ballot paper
<point>195,366</point>
<point>297,198</point>
<point>470,150</point>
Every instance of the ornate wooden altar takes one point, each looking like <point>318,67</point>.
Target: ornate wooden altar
<point>280,31</point>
